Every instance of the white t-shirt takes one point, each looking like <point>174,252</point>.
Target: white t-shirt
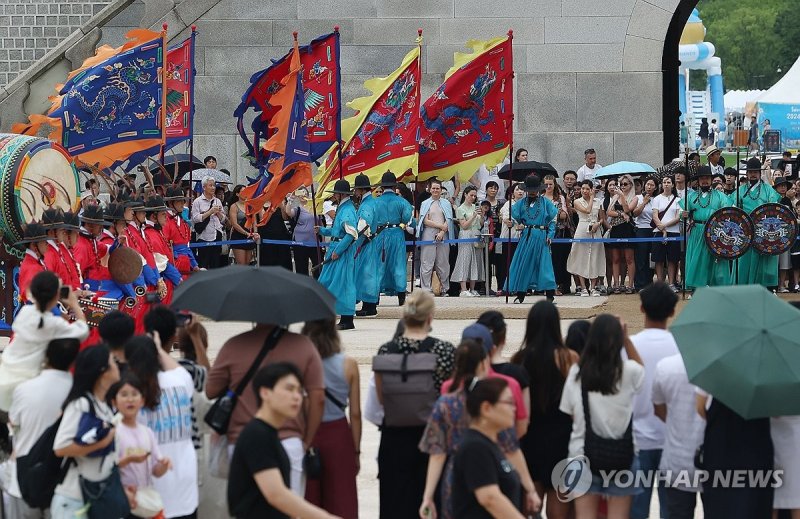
<point>660,203</point>
<point>684,427</point>
<point>586,173</point>
<point>171,421</point>
<point>484,175</point>
<point>93,469</point>
<point>646,216</point>
<point>653,345</point>
<point>610,413</point>
<point>36,405</point>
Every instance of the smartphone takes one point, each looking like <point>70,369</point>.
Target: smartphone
<point>182,319</point>
<point>64,292</point>
<point>140,168</point>
<point>151,297</point>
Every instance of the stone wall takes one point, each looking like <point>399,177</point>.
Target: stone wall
<point>30,28</point>
<point>588,72</point>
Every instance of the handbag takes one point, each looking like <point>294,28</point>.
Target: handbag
<point>312,464</point>
<point>606,454</point>
<point>662,214</point>
<point>200,226</point>
<point>148,503</point>
<point>106,498</point>
<point>219,415</point>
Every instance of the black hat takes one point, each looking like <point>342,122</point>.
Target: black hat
<point>779,181</point>
<point>362,182</point>
<point>341,187</point>
<point>115,212</point>
<point>703,171</point>
<point>34,231</point>
<point>173,194</point>
<point>388,179</point>
<point>754,164</point>
<point>136,203</point>
<point>71,221</point>
<point>533,185</point>
<point>155,204</point>
<point>53,219</point>
<point>94,214</point>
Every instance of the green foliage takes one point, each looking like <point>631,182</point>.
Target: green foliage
<point>753,38</point>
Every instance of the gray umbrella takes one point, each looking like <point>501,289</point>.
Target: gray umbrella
<point>216,174</point>
<point>268,295</point>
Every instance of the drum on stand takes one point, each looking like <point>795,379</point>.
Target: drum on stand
<point>775,229</point>
<point>35,174</point>
<point>728,233</point>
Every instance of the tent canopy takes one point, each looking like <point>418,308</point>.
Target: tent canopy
<point>785,91</point>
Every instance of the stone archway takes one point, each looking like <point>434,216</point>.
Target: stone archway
<point>669,67</point>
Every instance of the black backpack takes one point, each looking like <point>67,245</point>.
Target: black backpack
<point>40,471</point>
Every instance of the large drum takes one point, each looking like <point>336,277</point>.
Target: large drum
<point>35,174</point>
<point>775,229</point>
<point>728,233</point>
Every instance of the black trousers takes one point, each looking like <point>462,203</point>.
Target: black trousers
<point>302,255</point>
<point>208,257</point>
<point>641,255</point>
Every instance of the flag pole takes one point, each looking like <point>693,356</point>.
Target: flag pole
<point>191,121</point>
<point>416,177</point>
<point>163,97</point>
<point>511,181</point>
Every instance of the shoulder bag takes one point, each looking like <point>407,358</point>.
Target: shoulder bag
<point>605,454</point>
<point>662,214</point>
<point>200,226</point>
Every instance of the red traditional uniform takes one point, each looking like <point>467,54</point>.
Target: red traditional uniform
<point>31,265</point>
<point>88,253</point>
<point>161,246</point>
<point>178,233</point>
<point>55,262</point>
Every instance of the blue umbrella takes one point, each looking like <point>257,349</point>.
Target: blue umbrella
<point>624,168</point>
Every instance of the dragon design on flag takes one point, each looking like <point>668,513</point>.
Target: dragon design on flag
<point>389,116</point>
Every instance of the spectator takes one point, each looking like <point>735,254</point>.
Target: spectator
<point>576,335</point>
<point>547,362</point>
<point>210,162</point>
<point>34,327</point>
<point>469,263</point>
<point>752,135</point>
<point>401,465</point>
<point>643,215</point>
<point>230,367</point>
<point>36,405</point>
<point>138,456</point>
<point>168,391</point>
<point>208,217</point>
<point>258,485</point>
<point>560,250</point>
<point>495,204</point>
<point>619,208</point>
<point>337,442</point>
<point>436,224</point>
<point>653,344</point>
<point>193,344</point>
<point>482,482</point>
<point>666,215</point>
<point>272,254</point>
<point>587,260</point>
<point>301,224</point>
<point>785,431</point>
<point>95,372</point>
<point>509,227</point>
<point>608,383</point>
<point>703,133</point>
<point>494,320</point>
<point>242,254</point>
<point>116,328</point>
<point>590,166</point>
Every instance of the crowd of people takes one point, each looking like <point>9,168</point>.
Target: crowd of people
<point>467,431</point>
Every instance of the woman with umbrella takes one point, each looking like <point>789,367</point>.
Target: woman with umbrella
<point>532,266</point>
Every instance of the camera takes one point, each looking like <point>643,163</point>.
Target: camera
<point>151,297</point>
<point>182,319</point>
<point>63,293</point>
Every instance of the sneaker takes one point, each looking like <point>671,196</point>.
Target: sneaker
<point>444,294</point>
<point>595,293</point>
<point>675,288</point>
<point>585,293</point>
<point>465,293</point>
<point>578,292</point>
<point>417,282</point>
<point>783,290</point>
<point>474,293</point>
<point>797,288</point>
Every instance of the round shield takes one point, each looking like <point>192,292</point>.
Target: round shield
<point>124,265</point>
<point>728,233</point>
<point>775,229</point>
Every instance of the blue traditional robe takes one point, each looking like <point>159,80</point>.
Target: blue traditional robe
<point>532,265</point>
<point>337,276</point>
<point>702,267</point>
<point>368,253</point>
<point>393,210</point>
<point>755,268</point>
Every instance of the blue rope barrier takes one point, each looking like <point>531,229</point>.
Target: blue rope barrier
<point>197,245</point>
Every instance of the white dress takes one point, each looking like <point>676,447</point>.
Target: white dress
<point>587,260</point>
<point>785,432</point>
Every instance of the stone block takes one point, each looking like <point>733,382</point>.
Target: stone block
<point>114,36</point>
<point>234,33</point>
<point>11,107</point>
<point>601,57</point>
<point>374,60</point>
<point>222,146</point>
<point>535,143</point>
<point>459,30</point>
<point>200,60</point>
<point>84,48</point>
<point>191,10</point>
<point>381,31</point>
<point>649,21</point>
<point>509,8</point>
<point>243,167</point>
<point>585,29</point>
<point>245,61</point>
<point>547,102</point>
<point>419,8</point>
<point>644,147</point>
<point>565,150</point>
<point>597,8</point>
<point>642,55</point>
<point>352,88</point>
<point>252,10</point>
<point>628,101</point>
<point>155,10</point>
<point>667,5</point>
<point>174,24</point>
<point>439,58</point>
<point>131,16</point>
<point>309,29</point>
<point>311,9</point>
<point>216,97</point>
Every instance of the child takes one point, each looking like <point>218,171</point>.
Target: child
<point>138,456</point>
<point>34,327</point>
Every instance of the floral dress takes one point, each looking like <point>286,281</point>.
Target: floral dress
<point>443,433</point>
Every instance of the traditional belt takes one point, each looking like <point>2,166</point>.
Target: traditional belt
<point>392,225</point>
<point>540,227</point>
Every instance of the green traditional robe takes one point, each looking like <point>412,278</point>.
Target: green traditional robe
<point>702,267</point>
<point>755,268</point>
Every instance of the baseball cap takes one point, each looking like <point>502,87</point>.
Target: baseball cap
<point>481,333</point>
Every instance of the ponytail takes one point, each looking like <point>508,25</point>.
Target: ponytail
<point>44,288</point>
<point>469,356</point>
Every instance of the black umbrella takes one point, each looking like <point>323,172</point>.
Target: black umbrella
<point>523,169</point>
<point>268,295</point>
<point>185,162</point>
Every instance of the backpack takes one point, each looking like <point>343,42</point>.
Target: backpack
<point>409,391</point>
<point>40,471</point>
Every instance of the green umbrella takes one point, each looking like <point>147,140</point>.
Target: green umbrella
<point>742,345</point>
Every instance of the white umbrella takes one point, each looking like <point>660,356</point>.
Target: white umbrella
<point>216,174</point>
